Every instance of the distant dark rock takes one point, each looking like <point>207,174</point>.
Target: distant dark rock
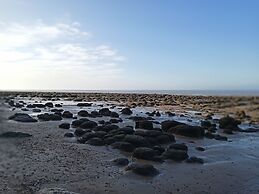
<point>114,115</point>
<point>67,115</point>
<point>49,117</point>
<point>22,117</point>
<point>83,104</point>
<point>49,104</point>
<point>12,134</point>
<point>169,124</point>
<point>77,123</point>
<point>188,131</point>
<point>36,110</point>
<point>126,111</point>
<point>79,132</point>
<point>144,124</point>
<point>105,112</point>
<point>229,123</point>
<point>83,113</point>
<point>137,141</point>
<point>88,124</point>
<point>250,130</point>
<point>200,149</point>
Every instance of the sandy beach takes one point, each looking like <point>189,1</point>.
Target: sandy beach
<point>48,161</point>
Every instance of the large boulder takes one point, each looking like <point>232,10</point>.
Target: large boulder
<point>84,104</point>
<point>88,125</point>
<point>49,104</point>
<point>67,114</point>
<point>64,126</point>
<point>49,117</point>
<point>126,111</point>
<point>176,155</point>
<point>137,141</point>
<point>144,153</point>
<point>188,131</point>
<point>229,123</point>
<point>123,146</point>
<point>142,169</point>
<point>144,124</point>
<point>169,124</point>
<point>83,113</point>
<point>105,112</point>
<point>22,117</point>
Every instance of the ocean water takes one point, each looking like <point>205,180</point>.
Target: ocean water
<point>174,92</point>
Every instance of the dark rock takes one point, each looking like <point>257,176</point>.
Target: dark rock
<point>109,140</point>
<point>170,114</point>
<point>127,130</point>
<point>12,134</point>
<point>22,117</point>
<point>126,111</point>
<point>144,153</point>
<point>165,138</point>
<point>206,124</point>
<point>69,135</point>
<point>188,130</point>
<point>114,115</point>
<point>121,161</point>
<point>114,121</point>
<point>144,125</point>
<point>105,112</point>
<point>200,149</point>
<point>169,124</point>
<point>142,169</point>
<point>95,114</point>
<point>83,113</point>
<point>64,126</point>
<point>159,150</point>
<point>158,114</point>
<point>194,159</point>
<point>49,117</point>
<point>77,123</point>
<point>124,146</point>
<point>36,110</point>
<point>82,104</point>
<point>49,104</point>
<point>88,124</point>
<point>176,155</point>
<point>177,146</point>
<point>137,141</point>
<point>67,115</point>
<point>25,109</point>
<point>58,105</point>
<point>55,110</point>
<point>229,123</point>
<point>250,130</point>
<point>221,138</point>
<point>79,132</point>
<point>96,141</point>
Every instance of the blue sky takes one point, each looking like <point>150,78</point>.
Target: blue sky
<point>134,44</point>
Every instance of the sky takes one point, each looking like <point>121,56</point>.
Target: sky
<point>129,45</point>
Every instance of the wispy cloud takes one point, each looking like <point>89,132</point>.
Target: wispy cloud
<point>60,48</point>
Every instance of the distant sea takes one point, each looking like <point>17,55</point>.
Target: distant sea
<point>173,92</point>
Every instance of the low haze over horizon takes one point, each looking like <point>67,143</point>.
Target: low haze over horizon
<point>129,45</point>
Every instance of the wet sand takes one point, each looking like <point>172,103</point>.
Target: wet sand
<point>49,160</point>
